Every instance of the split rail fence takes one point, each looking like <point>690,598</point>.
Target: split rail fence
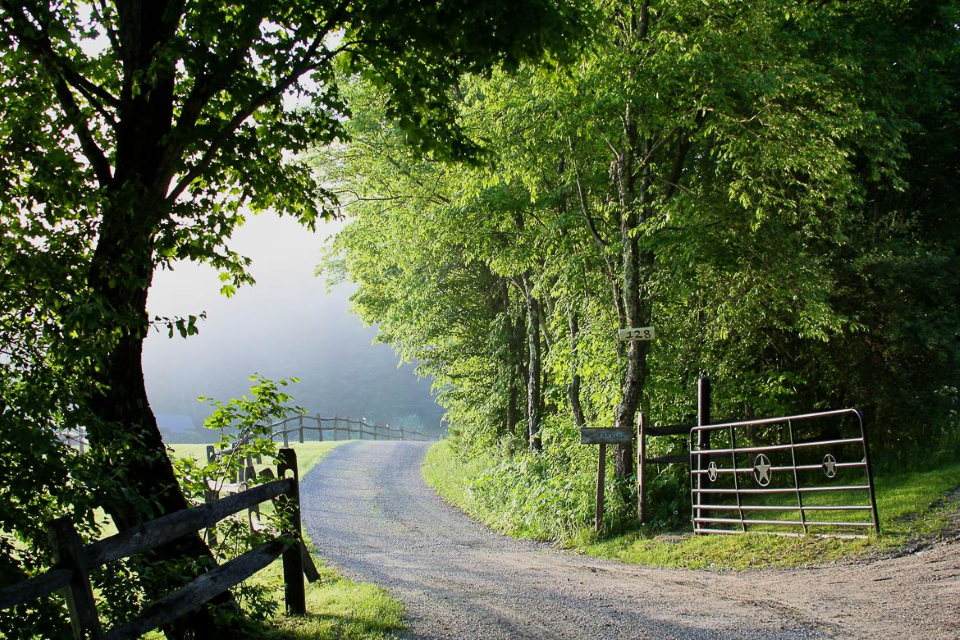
<point>297,429</point>
<point>338,428</point>
<point>73,562</point>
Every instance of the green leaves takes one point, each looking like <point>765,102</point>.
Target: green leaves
<point>774,145</point>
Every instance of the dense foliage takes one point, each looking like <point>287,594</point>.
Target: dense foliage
<point>771,185</point>
<point>135,134</point>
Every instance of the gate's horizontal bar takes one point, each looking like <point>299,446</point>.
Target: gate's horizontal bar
<point>802,416</point>
<point>733,507</point>
<point>786,534</point>
<point>766,507</point>
<point>727,531</point>
<point>819,467</point>
<point>809,523</point>
<point>802,467</point>
<point>775,447</point>
<point>784,490</point>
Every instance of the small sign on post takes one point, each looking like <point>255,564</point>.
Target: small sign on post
<point>603,437</point>
<point>636,333</point>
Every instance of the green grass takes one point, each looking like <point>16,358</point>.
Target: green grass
<point>337,608</point>
<point>308,453</point>
<point>911,507</point>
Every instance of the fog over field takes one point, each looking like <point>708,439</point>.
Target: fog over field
<point>285,325</point>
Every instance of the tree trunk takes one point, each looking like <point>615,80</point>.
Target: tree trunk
<point>124,430</point>
<point>534,366</point>
<point>573,389</point>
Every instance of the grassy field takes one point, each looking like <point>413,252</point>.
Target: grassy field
<point>308,453</point>
<point>911,506</point>
<point>337,608</point>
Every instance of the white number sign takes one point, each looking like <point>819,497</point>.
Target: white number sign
<point>638,333</point>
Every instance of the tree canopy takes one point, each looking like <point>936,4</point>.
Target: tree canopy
<point>136,134</point>
<point>755,180</point>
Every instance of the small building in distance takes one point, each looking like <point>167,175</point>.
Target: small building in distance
<point>177,427</point>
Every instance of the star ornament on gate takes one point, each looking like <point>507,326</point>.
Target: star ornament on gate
<point>712,471</point>
<point>762,470</point>
<point>829,465</point>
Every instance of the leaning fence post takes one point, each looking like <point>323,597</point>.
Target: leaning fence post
<point>293,590</point>
<point>80,603</point>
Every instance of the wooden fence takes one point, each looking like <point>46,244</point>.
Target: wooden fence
<point>76,438</point>
<point>338,428</point>
<point>73,562</point>
<point>297,427</point>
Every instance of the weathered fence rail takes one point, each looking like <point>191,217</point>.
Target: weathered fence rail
<point>295,428</point>
<point>337,428</point>
<point>73,562</point>
<point>75,438</point>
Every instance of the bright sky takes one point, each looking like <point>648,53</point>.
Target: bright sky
<point>286,325</point>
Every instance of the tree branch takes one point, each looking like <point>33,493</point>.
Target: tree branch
<point>582,197</point>
<point>307,63</point>
<point>39,44</point>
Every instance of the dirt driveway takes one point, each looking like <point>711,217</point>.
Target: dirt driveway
<point>369,512</point>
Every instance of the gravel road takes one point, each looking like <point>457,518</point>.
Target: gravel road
<point>369,512</point>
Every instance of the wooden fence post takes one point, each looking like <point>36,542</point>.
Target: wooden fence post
<point>293,589</point>
<point>301,428</point>
<point>601,481</point>
<point>703,439</point>
<point>66,553</point>
<point>401,432</point>
<point>319,428</point>
<point>210,496</point>
<point>641,469</point>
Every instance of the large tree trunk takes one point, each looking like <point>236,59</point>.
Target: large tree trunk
<point>124,430</point>
<point>534,367</point>
<point>573,389</point>
<point>519,371</point>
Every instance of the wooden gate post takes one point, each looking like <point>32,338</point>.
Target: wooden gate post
<point>703,439</point>
<point>66,553</point>
<point>601,482</point>
<point>294,594</point>
<point>641,469</point>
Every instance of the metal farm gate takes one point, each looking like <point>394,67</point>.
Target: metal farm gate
<point>772,475</point>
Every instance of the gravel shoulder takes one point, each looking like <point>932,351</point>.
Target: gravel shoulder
<point>369,512</point>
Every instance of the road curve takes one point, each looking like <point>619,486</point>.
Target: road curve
<point>369,512</point>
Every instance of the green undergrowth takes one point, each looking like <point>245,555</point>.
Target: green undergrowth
<point>337,607</point>
<point>913,506</point>
<point>308,453</point>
